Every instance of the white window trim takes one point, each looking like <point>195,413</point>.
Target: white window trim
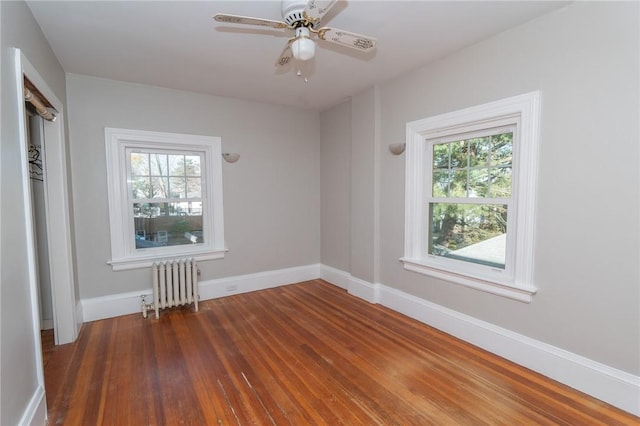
<point>523,110</point>
<point>123,254</point>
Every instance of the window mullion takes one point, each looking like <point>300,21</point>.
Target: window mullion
<point>466,190</point>
<point>164,200</point>
<point>480,201</point>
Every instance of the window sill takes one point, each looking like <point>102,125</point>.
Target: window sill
<point>519,293</point>
<point>147,261</point>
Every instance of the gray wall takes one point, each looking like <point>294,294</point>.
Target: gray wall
<point>271,195</point>
<point>585,61</point>
<point>335,184</point>
<point>17,341</point>
<point>364,262</point>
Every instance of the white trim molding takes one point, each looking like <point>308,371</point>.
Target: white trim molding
<point>364,290</point>
<point>213,289</point>
<point>97,308</point>
<point>124,252</point>
<point>335,276</point>
<point>36,411</point>
<point>521,294</point>
<point>601,381</point>
<point>521,114</point>
<point>58,224</point>
<point>354,286</point>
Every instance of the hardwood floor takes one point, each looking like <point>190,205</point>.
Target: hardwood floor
<point>48,345</point>
<point>304,354</point>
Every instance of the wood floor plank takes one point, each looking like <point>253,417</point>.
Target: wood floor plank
<point>307,353</point>
<point>401,364</point>
<point>287,356</point>
<point>327,399</point>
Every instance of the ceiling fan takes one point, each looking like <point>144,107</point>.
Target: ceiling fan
<point>304,17</point>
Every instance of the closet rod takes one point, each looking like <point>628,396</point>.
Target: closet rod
<point>39,106</point>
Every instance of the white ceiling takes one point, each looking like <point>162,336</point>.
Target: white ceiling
<point>176,44</point>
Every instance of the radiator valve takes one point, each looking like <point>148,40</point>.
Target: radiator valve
<point>145,306</point>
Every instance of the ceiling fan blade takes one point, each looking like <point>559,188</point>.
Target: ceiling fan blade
<point>316,9</point>
<point>287,55</point>
<point>246,20</point>
<point>347,38</point>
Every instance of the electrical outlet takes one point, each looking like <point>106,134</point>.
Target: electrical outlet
<point>232,287</point>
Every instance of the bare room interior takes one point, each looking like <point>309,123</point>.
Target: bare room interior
<point>320,212</point>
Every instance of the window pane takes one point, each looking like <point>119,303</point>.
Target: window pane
<point>139,164</point>
<point>159,187</point>
<point>177,187</point>
<point>176,165</point>
<point>502,149</point>
<point>478,183</point>
<point>140,187</point>
<point>458,154</point>
<point>194,189</point>
<point>479,149</point>
<point>473,168</point>
<point>192,165</point>
<point>167,224</point>
<point>158,165</point>
<point>440,183</point>
<point>469,232</point>
<point>458,187</point>
<point>441,156</point>
<point>500,182</point>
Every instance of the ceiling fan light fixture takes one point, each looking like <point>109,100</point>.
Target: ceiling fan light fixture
<point>303,47</point>
<point>304,17</point>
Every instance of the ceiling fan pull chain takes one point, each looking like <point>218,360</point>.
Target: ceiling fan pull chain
<point>299,74</point>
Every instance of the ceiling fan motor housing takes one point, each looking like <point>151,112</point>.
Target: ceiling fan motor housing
<point>292,11</point>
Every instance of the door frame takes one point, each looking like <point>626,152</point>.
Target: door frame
<point>57,210</point>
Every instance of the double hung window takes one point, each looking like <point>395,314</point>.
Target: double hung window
<point>470,196</point>
<point>165,197</point>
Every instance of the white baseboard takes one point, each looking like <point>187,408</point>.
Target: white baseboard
<point>364,290</point>
<point>114,305</point>
<point>212,289</point>
<point>355,286</point>
<point>608,384</point>
<point>47,324</point>
<point>335,276</point>
<point>36,411</point>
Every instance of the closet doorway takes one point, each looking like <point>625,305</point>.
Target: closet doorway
<point>46,201</point>
<point>35,149</point>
